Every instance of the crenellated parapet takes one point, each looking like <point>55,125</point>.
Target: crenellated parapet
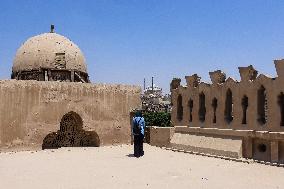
<point>252,108</point>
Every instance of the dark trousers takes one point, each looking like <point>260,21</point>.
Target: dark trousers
<point>138,145</point>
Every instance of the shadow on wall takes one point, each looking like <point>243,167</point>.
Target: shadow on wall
<point>71,134</point>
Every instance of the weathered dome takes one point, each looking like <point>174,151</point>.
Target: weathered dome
<point>45,51</point>
<point>50,57</point>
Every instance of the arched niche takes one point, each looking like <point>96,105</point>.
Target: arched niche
<point>281,106</point>
<point>71,134</point>
<point>190,107</point>
<point>202,107</point>
<point>229,106</point>
<point>244,108</point>
<point>262,105</point>
<point>214,106</point>
<point>179,108</point>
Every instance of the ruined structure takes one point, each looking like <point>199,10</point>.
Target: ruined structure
<point>50,102</point>
<point>231,118</point>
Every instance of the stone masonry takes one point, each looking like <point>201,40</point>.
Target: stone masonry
<point>31,110</point>
<point>251,110</point>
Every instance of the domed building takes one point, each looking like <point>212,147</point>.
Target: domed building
<point>37,111</point>
<point>50,57</point>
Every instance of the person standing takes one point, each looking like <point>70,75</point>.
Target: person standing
<point>138,128</point>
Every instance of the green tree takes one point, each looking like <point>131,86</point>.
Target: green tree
<point>161,119</point>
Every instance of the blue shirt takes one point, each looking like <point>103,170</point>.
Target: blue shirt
<point>141,123</point>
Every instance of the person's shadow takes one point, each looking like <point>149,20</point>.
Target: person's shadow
<point>130,155</point>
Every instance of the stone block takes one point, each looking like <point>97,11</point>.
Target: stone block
<point>274,151</point>
<point>161,136</point>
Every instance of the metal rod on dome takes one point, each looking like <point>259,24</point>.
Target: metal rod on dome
<point>51,28</point>
<point>152,84</point>
<point>144,86</point>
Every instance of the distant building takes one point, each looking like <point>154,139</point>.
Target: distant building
<point>153,99</point>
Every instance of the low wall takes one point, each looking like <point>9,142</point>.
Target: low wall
<point>231,132</point>
<point>258,145</point>
<point>208,144</point>
<point>161,136</point>
<point>30,110</point>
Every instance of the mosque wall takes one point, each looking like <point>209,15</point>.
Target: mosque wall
<point>252,108</point>
<point>30,110</point>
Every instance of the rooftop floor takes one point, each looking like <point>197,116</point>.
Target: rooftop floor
<point>115,167</point>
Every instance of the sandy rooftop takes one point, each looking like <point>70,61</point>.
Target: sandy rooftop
<point>115,167</point>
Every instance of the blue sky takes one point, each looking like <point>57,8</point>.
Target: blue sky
<point>125,41</point>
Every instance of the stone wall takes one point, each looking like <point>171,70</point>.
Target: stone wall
<point>30,110</point>
<point>255,103</point>
<point>161,136</point>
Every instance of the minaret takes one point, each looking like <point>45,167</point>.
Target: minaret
<point>152,84</point>
<point>51,28</point>
<point>144,87</point>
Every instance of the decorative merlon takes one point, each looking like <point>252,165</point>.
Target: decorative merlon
<point>217,77</point>
<point>193,80</point>
<point>279,65</point>
<point>248,73</point>
<point>175,83</point>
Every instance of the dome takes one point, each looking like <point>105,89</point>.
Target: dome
<point>49,52</point>
<point>40,52</point>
